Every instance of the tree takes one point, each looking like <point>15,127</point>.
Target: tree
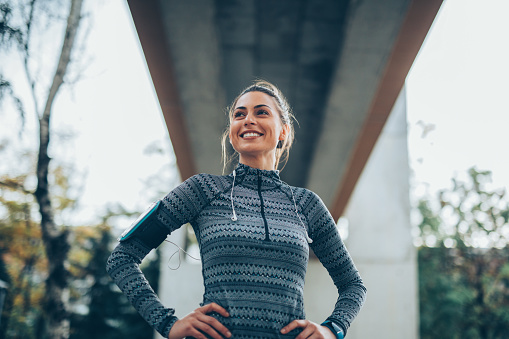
<point>22,252</point>
<point>97,307</point>
<point>109,314</point>
<point>464,261</point>
<point>467,215</point>
<point>8,34</point>
<point>55,239</point>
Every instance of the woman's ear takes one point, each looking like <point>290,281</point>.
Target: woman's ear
<point>284,132</point>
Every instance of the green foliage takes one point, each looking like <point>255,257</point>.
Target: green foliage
<point>467,215</point>
<point>108,315</point>
<point>99,309</point>
<point>464,293</point>
<point>464,262</point>
<point>23,255</point>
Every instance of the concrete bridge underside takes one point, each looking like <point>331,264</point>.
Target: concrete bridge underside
<point>342,65</point>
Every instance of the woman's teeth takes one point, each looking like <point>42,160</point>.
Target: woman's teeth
<point>251,135</point>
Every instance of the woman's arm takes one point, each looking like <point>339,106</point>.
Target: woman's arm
<point>123,267</point>
<point>180,206</point>
<point>332,253</point>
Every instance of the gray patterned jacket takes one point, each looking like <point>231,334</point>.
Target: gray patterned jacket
<point>253,266</point>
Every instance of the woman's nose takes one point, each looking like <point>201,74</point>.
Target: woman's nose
<point>249,120</point>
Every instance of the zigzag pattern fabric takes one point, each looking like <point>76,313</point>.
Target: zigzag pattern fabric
<point>255,266</point>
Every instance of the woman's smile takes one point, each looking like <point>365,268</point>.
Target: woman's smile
<point>250,135</point>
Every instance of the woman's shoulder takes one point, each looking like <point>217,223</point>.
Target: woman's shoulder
<point>303,193</point>
<point>307,199</point>
<point>211,177</point>
<point>210,182</point>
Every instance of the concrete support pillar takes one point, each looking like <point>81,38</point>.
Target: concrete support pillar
<point>380,240</point>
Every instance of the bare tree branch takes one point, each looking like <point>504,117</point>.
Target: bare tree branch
<point>26,55</point>
<point>55,240</point>
<point>7,31</point>
<point>6,89</point>
<point>14,185</point>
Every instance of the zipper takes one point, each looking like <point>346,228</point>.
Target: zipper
<point>262,208</point>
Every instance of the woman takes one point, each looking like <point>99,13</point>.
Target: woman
<point>254,233</point>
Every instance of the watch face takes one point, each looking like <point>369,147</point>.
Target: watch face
<point>337,330</point>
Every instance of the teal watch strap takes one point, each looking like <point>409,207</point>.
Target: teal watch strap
<point>338,331</point>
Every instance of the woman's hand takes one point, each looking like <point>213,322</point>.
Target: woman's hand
<point>196,323</point>
<point>310,330</point>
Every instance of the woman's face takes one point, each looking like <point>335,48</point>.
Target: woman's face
<point>256,127</point>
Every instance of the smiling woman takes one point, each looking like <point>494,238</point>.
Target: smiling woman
<point>266,102</point>
<point>254,232</point>
<point>256,129</point>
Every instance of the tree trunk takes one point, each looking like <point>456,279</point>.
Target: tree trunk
<point>55,240</point>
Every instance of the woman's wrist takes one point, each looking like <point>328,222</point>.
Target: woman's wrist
<point>335,328</point>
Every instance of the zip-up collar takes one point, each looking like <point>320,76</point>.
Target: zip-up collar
<point>261,180</point>
<point>248,177</point>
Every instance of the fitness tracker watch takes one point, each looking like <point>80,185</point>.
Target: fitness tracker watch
<point>338,331</point>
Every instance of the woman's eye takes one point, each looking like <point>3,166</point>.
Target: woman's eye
<point>238,114</point>
<point>263,112</point>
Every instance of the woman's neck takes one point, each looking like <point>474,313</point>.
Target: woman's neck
<point>263,163</point>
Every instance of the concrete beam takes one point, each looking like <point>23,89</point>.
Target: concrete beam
<point>411,37</point>
<point>190,30</point>
<point>181,48</point>
<point>149,25</point>
<point>381,43</point>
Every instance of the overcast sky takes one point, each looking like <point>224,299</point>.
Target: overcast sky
<point>458,88</point>
<point>457,94</point>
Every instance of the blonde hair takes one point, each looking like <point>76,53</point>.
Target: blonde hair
<point>285,114</point>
